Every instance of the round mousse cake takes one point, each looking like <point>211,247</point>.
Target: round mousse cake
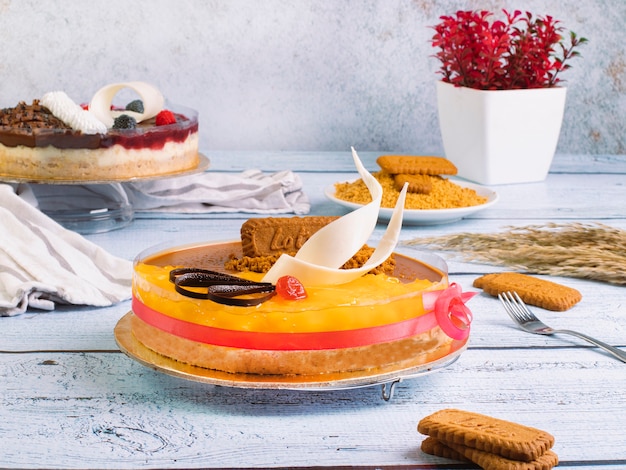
<point>54,138</point>
<point>377,322</point>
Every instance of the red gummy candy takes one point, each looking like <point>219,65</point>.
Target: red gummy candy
<point>290,288</point>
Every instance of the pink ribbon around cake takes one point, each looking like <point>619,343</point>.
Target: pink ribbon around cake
<point>448,305</point>
<point>446,308</point>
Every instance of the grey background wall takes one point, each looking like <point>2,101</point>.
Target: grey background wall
<point>296,74</point>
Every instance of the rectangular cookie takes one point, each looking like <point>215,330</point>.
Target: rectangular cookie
<point>419,184</point>
<point>276,235</point>
<point>486,460</point>
<point>433,446</point>
<point>416,165</point>
<point>534,291</point>
<point>481,432</point>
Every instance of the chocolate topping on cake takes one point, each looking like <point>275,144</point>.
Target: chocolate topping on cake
<point>35,126</point>
<point>30,117</point>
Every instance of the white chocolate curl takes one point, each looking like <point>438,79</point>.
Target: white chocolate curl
<point>72,114</point>
<point>317,262</point>
<point>100,105</point>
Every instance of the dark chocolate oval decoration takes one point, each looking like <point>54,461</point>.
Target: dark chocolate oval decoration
<point>221,288</point>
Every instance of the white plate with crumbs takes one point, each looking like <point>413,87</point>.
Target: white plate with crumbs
<point>427,216</point>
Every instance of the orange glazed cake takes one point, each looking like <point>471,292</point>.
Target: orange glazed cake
<point>54,138</point>
<point>311,313</point>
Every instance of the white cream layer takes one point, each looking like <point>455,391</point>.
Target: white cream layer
<point>116,162</point>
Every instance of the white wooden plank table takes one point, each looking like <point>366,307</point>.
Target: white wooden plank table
<point>70,399</point>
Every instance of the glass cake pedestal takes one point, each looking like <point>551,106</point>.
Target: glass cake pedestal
<point>87,206</point>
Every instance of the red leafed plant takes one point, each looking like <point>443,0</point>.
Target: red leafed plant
<point>521,51</point>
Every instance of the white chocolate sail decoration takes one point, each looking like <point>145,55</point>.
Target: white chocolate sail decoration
<point>100,105</point>
<point>317,262</point>
<point>64,108</point>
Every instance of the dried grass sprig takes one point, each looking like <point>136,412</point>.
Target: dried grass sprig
<point>586,251</point>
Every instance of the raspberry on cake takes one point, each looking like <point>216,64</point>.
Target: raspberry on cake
<point>332,320</point>
<point>56,139</point>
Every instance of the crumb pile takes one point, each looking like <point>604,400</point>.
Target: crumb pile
<point>262,264</point>
<point>444,194</point>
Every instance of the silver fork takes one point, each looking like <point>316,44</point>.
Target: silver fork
<point>519,312</point>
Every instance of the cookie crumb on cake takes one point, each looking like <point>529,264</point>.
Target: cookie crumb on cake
<point>262,264</point>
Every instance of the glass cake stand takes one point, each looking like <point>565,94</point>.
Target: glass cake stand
<point>90,206</point>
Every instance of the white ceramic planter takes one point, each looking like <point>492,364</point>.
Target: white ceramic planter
<point>500,136</point>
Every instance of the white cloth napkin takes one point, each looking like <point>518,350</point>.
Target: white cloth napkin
<point>251,191</point>
<point>42,263</point>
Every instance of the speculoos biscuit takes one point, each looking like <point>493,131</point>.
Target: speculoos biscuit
<point>488,461</point>
<point>419,184</point>
<point>506,439</point>
<point>276,235</point>
<point>416,165</point>
<point>433,446</point>
<point>534,291</point>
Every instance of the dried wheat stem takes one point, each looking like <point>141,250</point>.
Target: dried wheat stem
<point>588,251</point>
